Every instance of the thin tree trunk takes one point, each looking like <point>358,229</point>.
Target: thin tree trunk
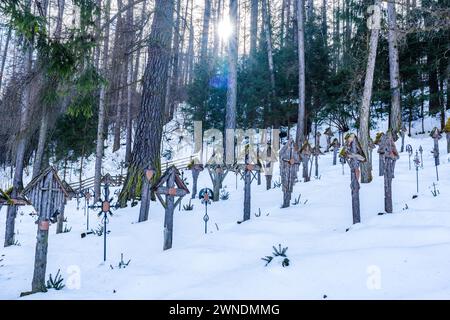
<point>4,55</point>
<point>364,111</point>
<point>147,141</point>
<point>230,112</point>
<point>253,27</point>
<point>102,111</point>
<point>396,115</point>
<point>195,174</point>
<point>205,31</point>
<point>20,150</point>
<point>268,35</point>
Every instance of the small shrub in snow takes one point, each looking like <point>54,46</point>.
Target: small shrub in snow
<point>297,200</point>
<point>279,254</point>
<point>122,264</point>
<point>66,229</point>
<point>260,213</point>
<point>435,192</point>
<point>188,207</point>
<point>55,283</point>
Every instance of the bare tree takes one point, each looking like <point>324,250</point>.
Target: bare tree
<point>364,110</point>
<point>147,140</point>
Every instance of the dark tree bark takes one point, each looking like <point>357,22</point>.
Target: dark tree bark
<point>394,70</point>
<point>4,55</point>
<point>364,113</point>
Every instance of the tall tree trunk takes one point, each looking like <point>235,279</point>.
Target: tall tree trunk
<point>129,110</point>
<point>102,110</point>
<point>173,96</point>
<point>301,73</point>
<point>37,166</point>
<point>147,141</point>
<point>217,17</point>
<point>267,29</point>
<point>21,145</point>
<point>396,114</point>
<point>205,31</point>
<point>4,55</point>
<point>190,55</point>
<point>119,68</point>
<point>230,112</point>
<point>364,111</point>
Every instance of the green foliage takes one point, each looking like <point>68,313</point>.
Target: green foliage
<point>73,137</point>
<point>55,283</point>
<point>207,95</point>
<point>66,63</point>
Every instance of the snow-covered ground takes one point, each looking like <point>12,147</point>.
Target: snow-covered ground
<point>404,255</point>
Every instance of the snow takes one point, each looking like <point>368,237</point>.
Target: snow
<point>403,255</point>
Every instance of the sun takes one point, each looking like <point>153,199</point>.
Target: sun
<point>225,29</point>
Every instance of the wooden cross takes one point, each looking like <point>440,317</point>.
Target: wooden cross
<point>171,185</point>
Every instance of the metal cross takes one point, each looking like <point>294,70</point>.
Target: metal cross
<point>206,194</point>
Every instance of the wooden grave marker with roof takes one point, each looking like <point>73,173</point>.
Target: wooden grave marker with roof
<point>48,195</point>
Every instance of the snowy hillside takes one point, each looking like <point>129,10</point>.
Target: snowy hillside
<point>393,256</point>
